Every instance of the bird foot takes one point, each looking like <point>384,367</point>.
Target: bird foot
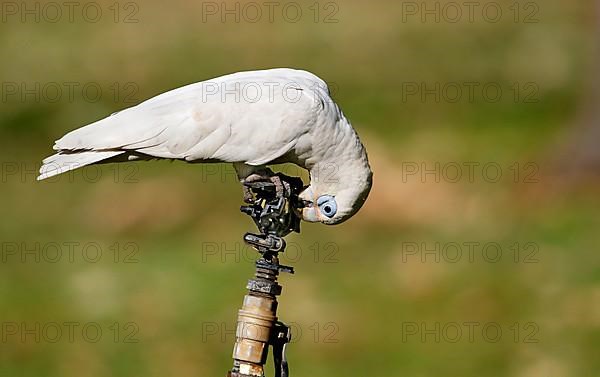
<point>257,181</point>
<point>272,202</point>
<point>280,183</point>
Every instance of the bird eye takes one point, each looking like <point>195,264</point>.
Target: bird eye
<point>327,205</point>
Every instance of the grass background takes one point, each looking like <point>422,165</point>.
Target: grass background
<point>357,285</point>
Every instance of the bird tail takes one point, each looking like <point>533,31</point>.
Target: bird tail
<point>64,161</point>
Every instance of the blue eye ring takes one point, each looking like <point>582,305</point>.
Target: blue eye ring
<point>327,205</point>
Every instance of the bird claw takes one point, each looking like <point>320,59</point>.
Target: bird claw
<point>248,195</point>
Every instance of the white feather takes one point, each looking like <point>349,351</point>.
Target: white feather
<point>61,163</point>
<point>195,123</point>
<point>249,118</point>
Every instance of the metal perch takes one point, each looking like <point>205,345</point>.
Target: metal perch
<point>258,328</point>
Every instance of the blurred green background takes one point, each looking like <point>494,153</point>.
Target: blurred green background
<point>150,254</point>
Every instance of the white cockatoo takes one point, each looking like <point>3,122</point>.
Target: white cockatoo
<point>251,119</point>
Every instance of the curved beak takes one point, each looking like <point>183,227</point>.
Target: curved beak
<point>309,214</point>
<point>309,211</point>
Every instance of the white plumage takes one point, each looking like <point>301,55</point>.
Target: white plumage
<point>251,119</point>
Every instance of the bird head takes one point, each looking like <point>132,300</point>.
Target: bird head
<point>334,199</point>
